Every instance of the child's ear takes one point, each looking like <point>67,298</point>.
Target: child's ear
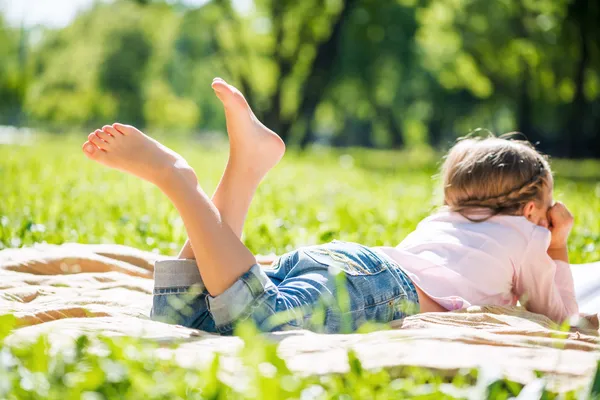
<point>528,210</point>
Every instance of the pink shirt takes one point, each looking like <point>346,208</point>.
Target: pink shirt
<point>459,263</point>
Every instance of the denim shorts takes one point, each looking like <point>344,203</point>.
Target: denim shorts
<point>331,288</point>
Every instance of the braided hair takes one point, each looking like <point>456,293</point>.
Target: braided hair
<point>494,176</point>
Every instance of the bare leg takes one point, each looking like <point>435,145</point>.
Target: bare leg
<point>254,150</point>
<point>222,257</point>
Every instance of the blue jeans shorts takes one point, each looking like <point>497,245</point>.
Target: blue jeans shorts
<point>331,288</point>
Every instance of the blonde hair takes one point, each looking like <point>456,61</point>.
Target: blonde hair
<point>498,175</point>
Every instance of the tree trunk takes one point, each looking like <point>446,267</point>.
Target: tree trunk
<point>434,127</point>
<point>524,104</point>
<point>307,136</point>
<point>524,107</point>
<point>322,69</point>
<point>575,142</point>
<point>272,117</point>
<point>396,134</point>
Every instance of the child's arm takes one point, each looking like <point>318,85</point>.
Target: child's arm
<point>545,281</point>
<point>559,254</point>
<point>561,223</point>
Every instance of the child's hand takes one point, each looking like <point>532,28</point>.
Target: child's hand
<point>561,222</point>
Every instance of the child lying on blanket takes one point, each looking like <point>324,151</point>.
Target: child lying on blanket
<point>501,238</point>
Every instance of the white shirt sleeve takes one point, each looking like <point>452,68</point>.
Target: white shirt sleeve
<point>545,286</point>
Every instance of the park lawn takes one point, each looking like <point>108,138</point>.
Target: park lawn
<point>49,192</point>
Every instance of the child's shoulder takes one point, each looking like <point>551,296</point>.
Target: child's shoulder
<point>515,235</point>
<point>518,227</point>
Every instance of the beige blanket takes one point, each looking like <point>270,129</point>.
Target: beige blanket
<point>71,289</point>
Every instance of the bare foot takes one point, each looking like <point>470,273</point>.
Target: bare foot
<point>253,145</point>
<point>127,149</point>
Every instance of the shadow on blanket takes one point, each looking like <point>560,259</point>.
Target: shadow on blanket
<point>67,290</point>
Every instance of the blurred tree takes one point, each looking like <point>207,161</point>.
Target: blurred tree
<point>376,74</point>
<point>582,124</point>
<point>13,72</point>
<point>346,72</point>
<point>280,54</point>
<point>122,70</point>
<point>194,61</point>
<point>99,69</point>
<point>519,59</point>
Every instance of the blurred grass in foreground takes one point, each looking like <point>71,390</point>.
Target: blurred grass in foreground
<point>129,368</point>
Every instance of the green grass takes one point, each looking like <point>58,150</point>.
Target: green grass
<point>50,192</point>
<point>129,368</point>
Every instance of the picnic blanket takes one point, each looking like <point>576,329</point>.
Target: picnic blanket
<point>67,290</point>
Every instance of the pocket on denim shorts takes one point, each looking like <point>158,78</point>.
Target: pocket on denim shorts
<point>349,258</point>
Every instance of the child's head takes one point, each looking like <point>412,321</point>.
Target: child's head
<point>503,176</point>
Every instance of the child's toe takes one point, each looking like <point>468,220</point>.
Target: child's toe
<point>91,151</point>
<point>99,143</point>
<point>126,129</point>
<point>229,95</point>
<point>106,137</point>
<point>111,131</point>
<point>219,85</point>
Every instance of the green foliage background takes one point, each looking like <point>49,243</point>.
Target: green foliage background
<point>375,73</point>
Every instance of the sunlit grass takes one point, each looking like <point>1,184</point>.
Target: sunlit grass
<point>50,192</point>
<point>131,368</point>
